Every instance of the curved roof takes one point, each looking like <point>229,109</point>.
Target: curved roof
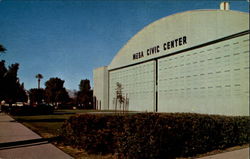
<point>198,26</point>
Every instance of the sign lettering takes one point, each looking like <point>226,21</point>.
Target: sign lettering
<point>157,49</point>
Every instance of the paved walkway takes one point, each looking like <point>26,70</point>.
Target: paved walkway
<point>237,154</point>
<point>19,142</point>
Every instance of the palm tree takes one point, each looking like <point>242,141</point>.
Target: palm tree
<point>2,49</point>
<point>39,77</point>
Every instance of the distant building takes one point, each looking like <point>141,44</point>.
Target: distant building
<point>195,61</point>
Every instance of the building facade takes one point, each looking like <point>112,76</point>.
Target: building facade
<point>195,61</point>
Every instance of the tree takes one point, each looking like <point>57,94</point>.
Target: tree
<point>39,77</point>
<point>2,49</point>
<point>55,92</point>
<point>84,85</point>
<point>62,96</point>
<point>12,84</point>
<point>119,95</point>
<point>3,71</point>
<point>123,101</point>
<point>11,90</point>
<point>36,95</point>
<point>85,94</point>
<point>22,94</point>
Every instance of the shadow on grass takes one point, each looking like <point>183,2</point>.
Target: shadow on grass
<point>63,113</point>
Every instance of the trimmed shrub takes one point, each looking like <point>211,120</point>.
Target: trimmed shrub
<point>94,133</point>
<point>154,135</point>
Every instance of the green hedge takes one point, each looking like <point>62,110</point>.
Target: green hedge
<point>94,133</point>
<point>151,135</point>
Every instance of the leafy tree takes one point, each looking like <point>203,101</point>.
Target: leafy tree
<point>36,95</point>
<point>84,85</point>
<point>119,97</point>
<point>2,49</point>
<point>11,90</point>
<point>22,94</point>
<point>55,92</point>
<point>3,71</point>
<point>85,94</point>
<point>12,82</point>
<point>39,77</point>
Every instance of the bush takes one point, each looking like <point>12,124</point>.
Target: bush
<point>150,135</point>
<point>94,133</point>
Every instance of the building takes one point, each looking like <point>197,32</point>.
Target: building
<point>195,61</point>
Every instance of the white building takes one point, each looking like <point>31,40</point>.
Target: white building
<point>195,61</point>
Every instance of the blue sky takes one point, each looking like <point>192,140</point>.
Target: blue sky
<point>69,38</point>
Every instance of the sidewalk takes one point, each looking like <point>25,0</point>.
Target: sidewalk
<point>19,142</point>
<point>237,154</point>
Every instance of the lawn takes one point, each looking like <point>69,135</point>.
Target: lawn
<point>49,126</point>
<point>44,125</point>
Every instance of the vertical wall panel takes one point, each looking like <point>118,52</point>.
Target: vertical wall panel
<point>213,79</point>
<point>138,83</point>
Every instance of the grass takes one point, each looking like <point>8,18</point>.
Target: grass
<point>49,126</point>
<point>45,124</point>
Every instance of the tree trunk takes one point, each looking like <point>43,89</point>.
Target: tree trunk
<point>38,83</point>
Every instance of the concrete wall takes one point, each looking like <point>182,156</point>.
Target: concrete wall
<point>138,86</point>
<point>212,80</point>
<point>196,61</point>
<point>101,87</point>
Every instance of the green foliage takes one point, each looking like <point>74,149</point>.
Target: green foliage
<point>21,93</point>
<point>36,95</point>
<point>11,90</point>
<point>39,77</point>
<point>2,48</point>
<point>84,85</point>
<point>94,133</point>
<point>85,94</point>
<point>55,91</point>
<point>3,71</point>
<point>150,135</point>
